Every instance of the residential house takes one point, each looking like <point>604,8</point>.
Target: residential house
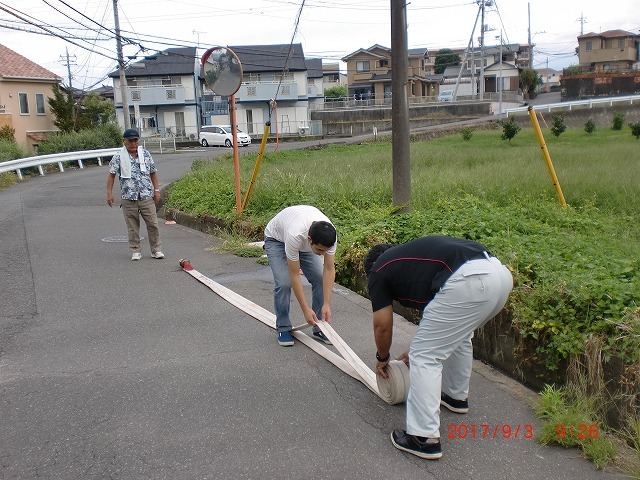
<point>315,82</point>
<point>163,94</point>
<point>609,52</point>
<point>25,88</point>
<point>332,76</point>
<point>369,74</point>
<point>550,79</point>
<point>275,87</point>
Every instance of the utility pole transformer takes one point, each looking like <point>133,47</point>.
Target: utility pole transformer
<point>123,80</point>
<point>400,108</point>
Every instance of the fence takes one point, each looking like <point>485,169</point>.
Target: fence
<point>579,103</point>
<point>59,158</point>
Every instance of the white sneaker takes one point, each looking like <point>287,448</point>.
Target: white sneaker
<point>157,254</point>
<point>136,256</point>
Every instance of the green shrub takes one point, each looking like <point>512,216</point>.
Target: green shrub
<point>7,133</point>
<point>10,150</point>
<point>467,133</point>
<point>559,126</point>
<point>509,128</point>
<point>590,126</point>
<point>104,136</point>
<point>635,130</point>
<point>618,121</point>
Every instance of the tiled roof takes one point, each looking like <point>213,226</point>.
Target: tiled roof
<point>172,61</point>
<point>609,34</point>
<point>271,58</point>
<point>13,64</point>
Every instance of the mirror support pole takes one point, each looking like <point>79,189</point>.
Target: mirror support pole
<point>236,154</point>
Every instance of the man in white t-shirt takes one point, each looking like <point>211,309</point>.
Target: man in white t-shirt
<point>294,240</point>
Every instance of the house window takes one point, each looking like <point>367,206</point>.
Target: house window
<point>251,77</point>
<point>286,77</point>
<point>171,94</point>
<point>24,104</point>
<point>589,46</point>
<point>40,104</point>
<point>384,62</point>
<point>362,66</point>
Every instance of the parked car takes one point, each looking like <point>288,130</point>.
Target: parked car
<point>220,135</point>
<point>446,96</point>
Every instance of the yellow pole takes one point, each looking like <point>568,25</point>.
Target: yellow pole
<point>265,135</point>
<point>546,156</point>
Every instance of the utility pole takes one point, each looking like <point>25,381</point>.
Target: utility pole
<point>582,21</point>
<point>400,107</point>
<point>123,80</point>
<point>530,45</point>
<point>481,82</point>
<point>67,61</point>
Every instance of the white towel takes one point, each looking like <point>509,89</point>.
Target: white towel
<point>125,162</point>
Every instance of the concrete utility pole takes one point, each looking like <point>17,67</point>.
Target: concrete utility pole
<point>67,61</point>
<point>400,107</point>
<point>530,45</point>
<point>481,82</point>
<point>123,80</point>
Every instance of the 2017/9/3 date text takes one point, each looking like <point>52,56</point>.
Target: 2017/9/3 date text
<point>485,430</point>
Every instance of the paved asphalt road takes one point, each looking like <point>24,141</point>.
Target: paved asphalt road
<point>134,370</point>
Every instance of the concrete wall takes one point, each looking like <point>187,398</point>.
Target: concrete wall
<point>363,121</point>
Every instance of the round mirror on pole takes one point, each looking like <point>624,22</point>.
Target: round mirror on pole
<point>222,72</point>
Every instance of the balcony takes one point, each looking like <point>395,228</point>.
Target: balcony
<point>157,95</point>
<point>265,91</point>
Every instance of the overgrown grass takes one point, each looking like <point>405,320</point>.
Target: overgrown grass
<point>572,420</point>
<point>576,269</point>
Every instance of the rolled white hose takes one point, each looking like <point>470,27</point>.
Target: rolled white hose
<point>395,388</point>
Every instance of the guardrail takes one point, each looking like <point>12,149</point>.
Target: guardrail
<point>59,158</point>
<point>578,103</point>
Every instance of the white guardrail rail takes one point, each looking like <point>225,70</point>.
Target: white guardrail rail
<point>589,103</point>
<point>59,158</point>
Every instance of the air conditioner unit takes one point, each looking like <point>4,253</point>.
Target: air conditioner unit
<point>303,131</point>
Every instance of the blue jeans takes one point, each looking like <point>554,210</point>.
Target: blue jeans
<point>311,266</point>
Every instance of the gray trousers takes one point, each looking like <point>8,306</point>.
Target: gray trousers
<point>132,210</point>
<point>441,354</point>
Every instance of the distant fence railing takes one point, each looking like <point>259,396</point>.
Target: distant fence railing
<point>59,158</point>
<point>589,103</point>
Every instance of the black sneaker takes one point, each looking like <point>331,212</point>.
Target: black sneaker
<point>411,444</point>
<point>321,337</point>
<point>456,406</point>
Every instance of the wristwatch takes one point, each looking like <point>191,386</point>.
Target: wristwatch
<point>385,359</point>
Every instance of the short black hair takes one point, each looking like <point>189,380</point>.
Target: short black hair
<point>373,254</point>
<point>323,233</point>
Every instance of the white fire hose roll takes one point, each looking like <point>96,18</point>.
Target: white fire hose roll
<point>395,388</point>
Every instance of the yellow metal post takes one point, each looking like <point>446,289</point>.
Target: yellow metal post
<point>546,156</point>
<point>265,135</point>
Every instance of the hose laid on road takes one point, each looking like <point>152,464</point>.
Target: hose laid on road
<point>395,388</point>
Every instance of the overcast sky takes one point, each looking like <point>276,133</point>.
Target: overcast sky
<point>330,29</point>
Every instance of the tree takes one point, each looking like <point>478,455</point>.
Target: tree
<point>62,108</point>
<point>94,111</point>
<point>446,58</point>
<point>509,128</point>
<point>559,125</point>
<point>339,92</point>
<point>529,80</point>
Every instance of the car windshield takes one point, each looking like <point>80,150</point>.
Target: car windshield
<point>227,128</point>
